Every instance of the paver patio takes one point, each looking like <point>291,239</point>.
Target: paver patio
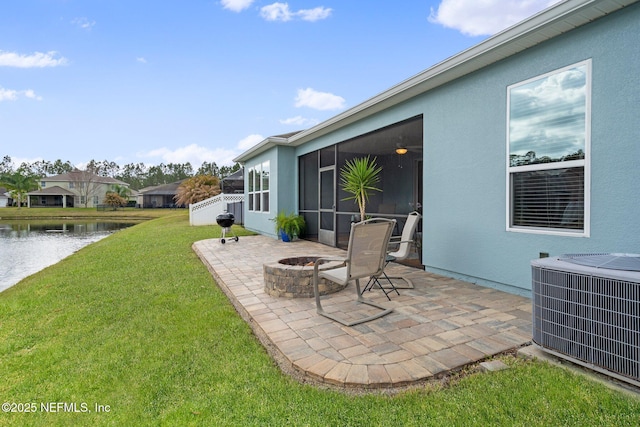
<point>441,325</point>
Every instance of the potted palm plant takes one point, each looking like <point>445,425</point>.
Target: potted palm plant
<point>289,226</point>
<point>359,176</point>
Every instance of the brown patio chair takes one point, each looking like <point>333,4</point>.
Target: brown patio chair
<point>366,254</point>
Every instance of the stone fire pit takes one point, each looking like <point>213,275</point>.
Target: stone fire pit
<point>293,278</point>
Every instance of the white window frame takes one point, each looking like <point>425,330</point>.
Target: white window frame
<point>259,190</point>
<point>585,163</point>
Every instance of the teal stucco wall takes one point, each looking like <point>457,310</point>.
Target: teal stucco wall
<point>465,125</point>
<point>283,188</point>
<point>465,165</point>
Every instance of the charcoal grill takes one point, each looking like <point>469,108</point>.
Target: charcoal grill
<point>226,220</point>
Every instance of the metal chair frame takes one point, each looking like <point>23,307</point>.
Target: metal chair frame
<point>402,252</point>
<point>366,257</point>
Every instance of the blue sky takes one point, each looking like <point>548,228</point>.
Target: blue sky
<point>177,81</point>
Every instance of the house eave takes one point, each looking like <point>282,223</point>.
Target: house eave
<point>261,147</point>
<point>545,25</point>
<point>55,190</point>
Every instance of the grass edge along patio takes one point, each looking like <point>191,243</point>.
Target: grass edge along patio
<point>160,343</point>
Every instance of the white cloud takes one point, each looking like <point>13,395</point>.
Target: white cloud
<point>194,154</point>
<point>31,94</point>
<point>83,23</point>
<point>276,12</point>
<point>36,60</point>
<point>487,17</point>
<point>13,95</point>
<point>319,100</point>
<point>300,121</point>
<point>281,12</point>
<point>8,95</point>
<point>236,5</point>
<point>17,161</point>
<point>197,154</point>
<point>314,14</point>
<point>141,60</point>
<point>250,141</point>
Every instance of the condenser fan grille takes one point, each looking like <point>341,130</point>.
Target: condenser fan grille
<point>586,308</point>
<point>612,261</point>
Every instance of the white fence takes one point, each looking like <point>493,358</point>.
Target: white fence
<point>206,211</point>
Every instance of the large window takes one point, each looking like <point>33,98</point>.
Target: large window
<point>548,152</point>
<point>258,188</point>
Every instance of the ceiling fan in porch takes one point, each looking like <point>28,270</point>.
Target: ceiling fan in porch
<point>402,146</point>
<point>402,149</point>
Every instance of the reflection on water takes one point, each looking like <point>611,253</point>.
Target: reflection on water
<point>29,246</point>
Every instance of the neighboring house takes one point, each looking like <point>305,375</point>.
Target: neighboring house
<point>4,197</point>
<point>523,145</point>
<point>133,198</point>
<point>76,188</point>
<point>158,196</point>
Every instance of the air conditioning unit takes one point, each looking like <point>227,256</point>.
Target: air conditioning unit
<point>586,309</point>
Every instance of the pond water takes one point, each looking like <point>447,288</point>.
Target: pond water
<point>27,247</point>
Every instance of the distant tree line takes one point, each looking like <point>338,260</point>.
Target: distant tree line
<point>531,158</point>
<point>137,175</point>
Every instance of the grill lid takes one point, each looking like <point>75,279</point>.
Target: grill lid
<point>612,261</point>
<point>225,215</point>
<point>225,219</point>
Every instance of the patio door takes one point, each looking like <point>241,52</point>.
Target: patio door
<point>327,183</point>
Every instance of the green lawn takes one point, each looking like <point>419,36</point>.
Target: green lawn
<point>136,324</point>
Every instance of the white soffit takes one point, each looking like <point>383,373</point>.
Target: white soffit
<point>549,23</point>
<point>543,26</point>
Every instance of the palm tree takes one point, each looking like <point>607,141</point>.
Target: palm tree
<point>122,191</point>
<point>118,196</point>
<point>359,176</point>
<point>19,185</point>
